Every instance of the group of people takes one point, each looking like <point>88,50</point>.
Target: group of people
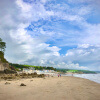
<point>59,75</point>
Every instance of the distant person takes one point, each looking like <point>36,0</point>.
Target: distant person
<point>58,75</point>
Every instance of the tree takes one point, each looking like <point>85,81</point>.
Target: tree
<point>2,45</point>
<point>0,40</point>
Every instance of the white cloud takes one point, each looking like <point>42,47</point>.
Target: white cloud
<point>20,45</point>
<point>24,7</point>
<point>84,46</point>
<point>23,47</point>
<point>88,56</point>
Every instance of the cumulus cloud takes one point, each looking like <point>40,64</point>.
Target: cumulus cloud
<point>20,45</point>
<point>85,54</point>
<point>45,22</point>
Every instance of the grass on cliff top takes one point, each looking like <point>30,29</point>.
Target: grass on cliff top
<point>2,57</point>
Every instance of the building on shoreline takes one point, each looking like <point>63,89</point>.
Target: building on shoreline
<point>28,70</point>
<point>32,70</point>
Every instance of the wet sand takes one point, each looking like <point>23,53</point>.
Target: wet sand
<point>50,88</point>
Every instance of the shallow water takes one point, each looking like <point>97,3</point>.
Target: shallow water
<point>92,77</point>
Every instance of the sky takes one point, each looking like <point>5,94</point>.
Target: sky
<point>57,33</point>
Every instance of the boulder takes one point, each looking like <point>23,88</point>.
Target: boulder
<point>22,84</point>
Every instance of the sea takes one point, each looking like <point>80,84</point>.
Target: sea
<point>92,77</point>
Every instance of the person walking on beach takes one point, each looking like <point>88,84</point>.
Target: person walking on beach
<point>58,75</point>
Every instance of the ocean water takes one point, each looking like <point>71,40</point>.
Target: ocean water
<point>92,77</point>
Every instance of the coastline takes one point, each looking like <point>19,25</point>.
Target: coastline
<point>50,88</point>
<point>92,77</point>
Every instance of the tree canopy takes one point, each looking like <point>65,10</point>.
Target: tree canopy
<point>2,45</point>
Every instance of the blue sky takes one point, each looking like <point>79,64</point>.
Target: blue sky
<point>58,33</point>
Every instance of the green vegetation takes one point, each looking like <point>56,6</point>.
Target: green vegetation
<point>61,70</point>
<point>76,71</point>
<point>2,57</point>
<point>19,66</point>
<point>73,71</point>
<point>2,45</point>
<point>2,49</point>
<point>87,71</point>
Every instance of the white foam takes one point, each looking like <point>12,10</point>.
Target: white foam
<point>92,77</point>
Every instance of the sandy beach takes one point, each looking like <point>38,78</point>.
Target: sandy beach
<point>50,88</point>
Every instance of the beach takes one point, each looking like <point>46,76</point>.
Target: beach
<point>50,88</point>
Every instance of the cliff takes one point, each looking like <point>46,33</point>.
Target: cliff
<point>4,65</point>
<point>3,62</point>
<point>2,57</point>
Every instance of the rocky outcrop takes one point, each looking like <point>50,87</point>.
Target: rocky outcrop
<point>20,76</point>
<point>3,62</point>
<point>3,66</point>
<point>6,68</point>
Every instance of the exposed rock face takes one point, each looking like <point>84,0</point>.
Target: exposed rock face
<point>3,62</point>
<point>3,66</point>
